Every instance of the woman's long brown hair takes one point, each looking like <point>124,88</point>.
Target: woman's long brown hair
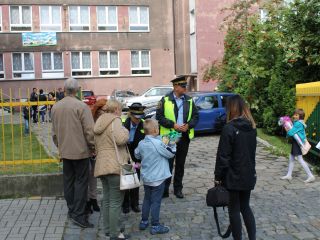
<point>97,107</point>
<point>236,107</point>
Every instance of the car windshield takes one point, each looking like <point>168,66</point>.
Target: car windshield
<point>87,93</point>
<point>157,91</point>
<point>124,94</point>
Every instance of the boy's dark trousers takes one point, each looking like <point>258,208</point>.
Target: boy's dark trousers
<point>131,197</point>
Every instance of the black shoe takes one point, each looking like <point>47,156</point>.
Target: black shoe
<point>82,223</point>
<point>136,209</point>
<point>88,209</point>
<point>94,204</point>
<point>125,210</point>
<point>165,194</point>
<point>179,194</point>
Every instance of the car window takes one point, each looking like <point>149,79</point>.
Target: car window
<point>87,93</point>
<point>164,91</point>
<point>208,102</point>
<point>153,92</point>
<point>224,100</point>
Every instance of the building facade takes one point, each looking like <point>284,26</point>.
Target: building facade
<point>107,45</point>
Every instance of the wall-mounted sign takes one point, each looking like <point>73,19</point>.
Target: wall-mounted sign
<point>39,39</point>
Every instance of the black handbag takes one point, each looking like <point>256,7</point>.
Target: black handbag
<point>218,196</point>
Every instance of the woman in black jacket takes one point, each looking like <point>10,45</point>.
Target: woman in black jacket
<point>235,164</point>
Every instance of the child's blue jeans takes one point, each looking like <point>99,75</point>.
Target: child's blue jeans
<point>152,202</point>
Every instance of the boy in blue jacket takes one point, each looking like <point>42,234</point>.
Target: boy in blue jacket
<point>154,155</point>
<point>298,128</point>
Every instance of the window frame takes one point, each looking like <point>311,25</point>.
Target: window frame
<point>23,66</point>
<point>139,24</point>
<point>109,68</point>
<point>20,19</point>
<point>1,19</point>
<point>81,69</point>
<point>52,71</point>
<point>50,18</point>
<point>79,17</point>
<point>106,8</point>
<point>3,71</point>
<point>140,63</point>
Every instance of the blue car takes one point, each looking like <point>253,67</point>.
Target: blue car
<point>212,112</point>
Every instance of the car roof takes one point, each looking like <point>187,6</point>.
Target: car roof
<point>202,93</point>
<point>159,86</point>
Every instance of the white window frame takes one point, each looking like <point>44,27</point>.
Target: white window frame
<point>109,68</point>
<point>2,72</point>
<point>50,19</point>
<point>23,71</point>
<point>140,68</point>
<point>20,19</point>
<point>79,17</point>
<point>81,69</point>
<point>139,24</point>
<point>106,9</point>
<point>0,19</point>
<point>52,73</point>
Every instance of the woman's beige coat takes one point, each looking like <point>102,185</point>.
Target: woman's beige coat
<point>106,159</point>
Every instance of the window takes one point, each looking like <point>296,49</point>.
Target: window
<point>108,63</point>
<point>79,18</point>
<point>208,102</point>
<point>139,19</point>
<point>81,63</point>
<point>140,62</point>
<point>22,65</point>
<point>50,18</point>
<point>1,67</point>
<point>0,19</point>
<point>20,18</point>
<point>224,100</point>
<point>52,65</point>
<point>107,18</point>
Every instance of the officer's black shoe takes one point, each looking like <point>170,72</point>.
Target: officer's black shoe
<point>125,210</point>
<point>136,209</point>
<point>165,194</point>
<point>179,194</point>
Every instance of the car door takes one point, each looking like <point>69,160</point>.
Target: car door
<point>208,107</point>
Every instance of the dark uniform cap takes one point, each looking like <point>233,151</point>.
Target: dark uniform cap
<point>180,80</point>
<point>137,110</point>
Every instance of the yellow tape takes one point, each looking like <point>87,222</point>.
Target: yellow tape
<point>18,104</point>
<point>37,161</point>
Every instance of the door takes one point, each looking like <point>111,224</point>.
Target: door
<point>208,107</point>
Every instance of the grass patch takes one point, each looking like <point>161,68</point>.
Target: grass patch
<point>16,146</point>
<point>281,146</point>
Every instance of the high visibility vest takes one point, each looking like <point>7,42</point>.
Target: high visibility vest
<point>169,114</point>
<point>124,118</point>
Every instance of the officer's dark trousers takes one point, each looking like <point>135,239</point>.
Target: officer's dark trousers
<point>75,181</point>
<point>180,159</point>
<point>131,197</point>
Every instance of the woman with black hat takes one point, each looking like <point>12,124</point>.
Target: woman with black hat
<point>134,124</point>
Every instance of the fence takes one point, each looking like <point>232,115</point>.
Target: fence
<point>308,96</point>
<point>26,145</point>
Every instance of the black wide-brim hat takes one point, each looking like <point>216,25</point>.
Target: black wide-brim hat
<point>180,80</point>
<point>137,110</point>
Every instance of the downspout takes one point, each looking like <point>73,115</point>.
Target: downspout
<point>174,38</point>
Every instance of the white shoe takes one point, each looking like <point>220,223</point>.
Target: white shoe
<point>310,179</point>
<point>286,178</point>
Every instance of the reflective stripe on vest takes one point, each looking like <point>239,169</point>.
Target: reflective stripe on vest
<point>169,114</point>
<point>124,118</point>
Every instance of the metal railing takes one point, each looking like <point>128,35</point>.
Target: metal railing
<point>26,146</point>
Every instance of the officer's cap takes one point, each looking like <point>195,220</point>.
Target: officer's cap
<point>180,80</point>
<point>137,110</point>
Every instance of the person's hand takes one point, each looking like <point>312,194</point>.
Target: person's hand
<point>184,127</point>
<point>176,127</point>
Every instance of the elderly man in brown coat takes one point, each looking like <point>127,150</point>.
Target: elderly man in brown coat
<point>72,129</point>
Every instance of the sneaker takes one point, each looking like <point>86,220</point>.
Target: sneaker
<point>159,229</point>
<point>310,179</point>
<point>81,223</point>
<point>286,178</point>
<point>143,225</point>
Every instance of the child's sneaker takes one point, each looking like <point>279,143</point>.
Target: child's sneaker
<point>310,179</point>
<point>286,178</point>
<point>159,229</point>
<point>143,225</point>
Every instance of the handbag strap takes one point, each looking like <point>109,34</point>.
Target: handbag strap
<point>228,232</point>
<point>116,147</point>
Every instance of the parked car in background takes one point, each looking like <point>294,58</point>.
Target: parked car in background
<point>88,97</point>
<point>212,112</point>
<point>121,95</point>
<point>151,97</point>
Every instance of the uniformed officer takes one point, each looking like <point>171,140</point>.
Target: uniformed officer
<point>134,123</point>
<point>177,111</point>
